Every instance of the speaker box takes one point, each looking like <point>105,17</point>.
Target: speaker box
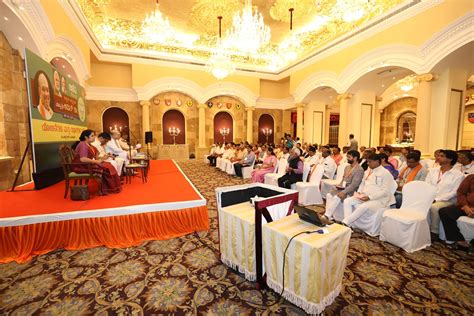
<point>148,137</point>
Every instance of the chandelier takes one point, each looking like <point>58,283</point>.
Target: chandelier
<point>248,33</point>
<point>220,64</point>
<point>351,10</point>
<point>156,29</point>
<point>408,83</point>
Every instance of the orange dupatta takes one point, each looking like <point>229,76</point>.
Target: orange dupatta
<point>412,175</point>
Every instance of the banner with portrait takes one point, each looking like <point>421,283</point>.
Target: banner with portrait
<point>57,111</point>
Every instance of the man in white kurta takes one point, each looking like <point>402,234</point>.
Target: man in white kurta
<point>328,163</point>
<point>446,179</point>
<point>374,192</point>
<point>114,147</point>
<point>100,144</point>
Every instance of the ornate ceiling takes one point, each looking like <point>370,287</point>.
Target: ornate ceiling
<point>117,25</point>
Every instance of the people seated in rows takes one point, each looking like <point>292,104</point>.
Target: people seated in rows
<point>446,179</point>
<point>246,161</point>
<point>312,159</point>
<point>336,155</point>
<point>328,163</point>
<point>218,150</point>
<point>363,162</point>
<point>388,165</point>
<point>413,171</point>
<point>86,153</point>
<point>262,153</point>
<point>391,159</point>
<point>284,153</point>
<point>465,164</point>
<point>353,175</point>
<point>268,166</point>
<point>294,171</point>
<point>228,154</point>
<point>239,154</point>
<point>100,144</point>
<point>114,147</point>
<point>450,214</point>
<point>373,193</point>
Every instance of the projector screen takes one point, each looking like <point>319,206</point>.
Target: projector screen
<point>57,111</point>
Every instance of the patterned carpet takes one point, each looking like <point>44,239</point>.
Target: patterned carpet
<point>183,277</point>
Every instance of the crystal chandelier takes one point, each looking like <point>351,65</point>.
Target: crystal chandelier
<point>351,10</point>
<point>248,33</point>
<point>220,64</point>
<point>408,83</point>
<point>156,29</point>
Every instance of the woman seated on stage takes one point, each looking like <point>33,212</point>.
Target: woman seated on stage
<point>268,166</point>
<point>87,153</point>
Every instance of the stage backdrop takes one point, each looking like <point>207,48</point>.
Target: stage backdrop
<point>57,111</point>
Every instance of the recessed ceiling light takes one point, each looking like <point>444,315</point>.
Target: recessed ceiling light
<point>5,18</point>
<point>63,66</point>
<point>393,78</point>
<point>395,96</point>
<point>69,76</point>
<point>330,97</point>
<point>20,38</point>
<point>22,7</point>
<point>56,58</point>
<point>383,86</point>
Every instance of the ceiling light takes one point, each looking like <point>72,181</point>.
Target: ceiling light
<point>351,10</point>
<point>20,38</point>
<point>248,33</point>
<point>5,18</point>
<point>220,63</point>
<point>407,83</point>
<point>21,7</point>
<point>63,66</point>
<point>383,86</point>
<point>69,76</point>
<point>156,29</point>
<point>393,78</point>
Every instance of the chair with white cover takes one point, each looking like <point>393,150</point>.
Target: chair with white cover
<point>272,178</point>
<point>466,227</point>
<point>427,163</point>
<point>308,192</point>
<point>408,227</point>
<point>327,185</point>
<point>247,171</point>
<point>306,170</point>
<point>371,221</point>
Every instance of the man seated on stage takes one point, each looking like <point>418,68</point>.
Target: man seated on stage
<point>294,171</point>
<point>446,179</point>
<point>248,160</point>
<point>100,144</point>
<point>353,175</point>
<point>125,145</point>
<point>413,171</point>
<point>465,207</point>
<point>114,147</point>
<point>328,163</point>
<point>374,192</point>
<point>465,164</point>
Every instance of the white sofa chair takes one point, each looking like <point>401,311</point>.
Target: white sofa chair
<point>371,221</point>
<point>272,178</point>
<point>408,227</point>
<point>327,185</point>
<point>309,193</point>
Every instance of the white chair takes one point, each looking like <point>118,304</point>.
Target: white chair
<point>327,185</point>
<point>272,178</point>
<point>408,227</point>
<point>466,228</point>
<point>427,163</point>
<point>309,193</point>
<point>371,221</point>
<point>247,171</point>
<point>306,170</point>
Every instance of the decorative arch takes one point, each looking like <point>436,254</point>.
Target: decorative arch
<point>230,89</point>
<point>223,119</point>
<point>174,118</point>
<point>116,118</point>
<point>266,121</point>
<point>167,84</point>
<point>406,124</point>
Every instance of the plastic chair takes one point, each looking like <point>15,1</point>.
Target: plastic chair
<point>408,227</point>
<point>309,193</point>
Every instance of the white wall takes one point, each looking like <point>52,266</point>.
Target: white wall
<point>315,131</point>
<point>357,124</point>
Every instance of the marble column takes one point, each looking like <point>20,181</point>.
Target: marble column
<point>343,137</point>
<point>145,117</point>
<point>202,125</point>
<point>423,113</point>
<point>250,110</point>
<point>299,120</point>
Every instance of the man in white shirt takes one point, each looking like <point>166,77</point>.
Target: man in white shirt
<point>374,192</point>
<point>328,163</point>
<point>229,153</point>
<point>100,144</point>
<point>113,146</point>
<point>465,164</point>
<point>312,158</point>
<point>446,179</point>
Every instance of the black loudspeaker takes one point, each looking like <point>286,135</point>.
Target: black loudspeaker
<point>148,137</point>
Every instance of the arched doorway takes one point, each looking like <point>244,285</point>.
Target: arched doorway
<point>223,121</point>
<point>266,125</point>
<point>174,124</point>
<point>116,119</point>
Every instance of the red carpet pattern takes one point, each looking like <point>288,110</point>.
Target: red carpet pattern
<point>182,276</point>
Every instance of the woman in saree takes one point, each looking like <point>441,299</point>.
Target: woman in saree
<point>86,153</point>
<point>268,166</point>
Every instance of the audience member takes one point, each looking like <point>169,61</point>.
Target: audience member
<point>465,164</point>
<point>446,179</point>
<point>328,163</point>
<point>391,159</point>
<point>246,161</point>
<point>268,166</point>
<point>414,171</point>
<point>387,165</point>
<point>364,163</point>
<point>294,171</point>
<point>336,155</point>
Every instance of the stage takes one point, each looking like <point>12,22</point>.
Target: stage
<point>36,222</point>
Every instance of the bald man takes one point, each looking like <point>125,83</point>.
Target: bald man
<point>44,102</point>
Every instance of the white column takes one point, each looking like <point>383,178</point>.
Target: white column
<point>202,125</point>
<point>423,114</point>
<point>250,110</point>
<point>145,117</point>
<point>299,120</point>
<point>343,137</point>
<point>376,130</point>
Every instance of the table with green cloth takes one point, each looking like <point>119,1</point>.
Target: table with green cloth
<point>314,263</point>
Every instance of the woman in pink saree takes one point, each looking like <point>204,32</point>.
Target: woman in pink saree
<point>268,166</point>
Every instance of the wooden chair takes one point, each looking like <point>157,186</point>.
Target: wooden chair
<point>67,157</point>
